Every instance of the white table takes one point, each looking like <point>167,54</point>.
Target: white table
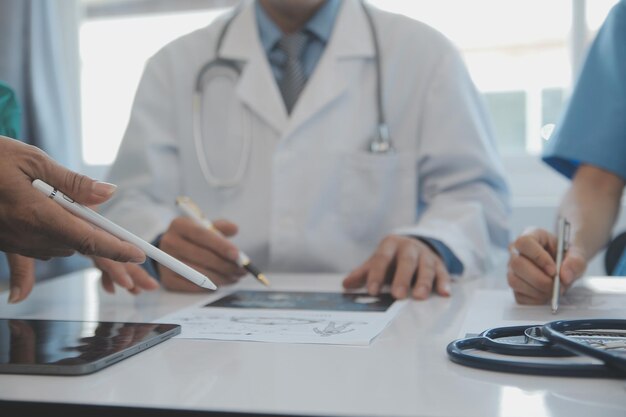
<point>404,372</point>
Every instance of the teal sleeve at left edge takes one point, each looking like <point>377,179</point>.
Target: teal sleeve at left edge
<point>592,130</point>
<point>9,113</point>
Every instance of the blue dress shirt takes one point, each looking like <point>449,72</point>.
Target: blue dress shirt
<point>318,30</point>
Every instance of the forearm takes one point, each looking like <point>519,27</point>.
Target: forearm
<point>592,205</point>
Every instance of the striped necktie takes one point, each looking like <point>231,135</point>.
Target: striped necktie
<point>294,79</point>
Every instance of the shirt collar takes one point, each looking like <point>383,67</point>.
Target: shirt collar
<point>320,25</point>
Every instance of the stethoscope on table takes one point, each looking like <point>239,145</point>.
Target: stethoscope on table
<point>230,70</point>
<point>603,340</point>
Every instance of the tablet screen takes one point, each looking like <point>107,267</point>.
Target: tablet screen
<point>73,347</point>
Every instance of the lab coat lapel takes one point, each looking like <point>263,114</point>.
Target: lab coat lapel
<point>257,87</point>
<point>351,39</point>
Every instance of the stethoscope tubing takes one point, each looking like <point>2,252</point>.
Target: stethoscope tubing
<point>381,142</point>
<point>538,350</point>
<point>457,352</point>
<point>554,332</point>
<point>558,345</point>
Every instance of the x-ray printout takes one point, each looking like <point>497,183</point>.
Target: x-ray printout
<point>288,317</point>
<point>590,298</point>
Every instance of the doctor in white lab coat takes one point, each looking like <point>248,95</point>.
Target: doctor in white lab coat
<point>312,197</point>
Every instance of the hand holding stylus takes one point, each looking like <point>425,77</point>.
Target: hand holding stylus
<point>103,223</point>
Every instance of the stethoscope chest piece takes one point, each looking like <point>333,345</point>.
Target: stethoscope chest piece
<point>381,143</point>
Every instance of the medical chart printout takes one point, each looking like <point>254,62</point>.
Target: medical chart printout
<point>591,298</point>
<point>288,317</point>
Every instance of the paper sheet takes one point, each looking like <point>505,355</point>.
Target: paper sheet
<point>288,317</point>
<point>592,298</point>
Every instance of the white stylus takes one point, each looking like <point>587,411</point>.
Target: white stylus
<point>118,231</point>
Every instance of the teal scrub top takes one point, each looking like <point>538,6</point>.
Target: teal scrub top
<point>9,113</point>
<point>593,128</point>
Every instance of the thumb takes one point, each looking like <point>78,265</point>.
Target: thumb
<point>574,265</point>
<point>22,276</point>
<point>77,186</point>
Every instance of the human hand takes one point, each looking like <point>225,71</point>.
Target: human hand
<point>34,226</point>
<point>532,266</point>
<point>399,259</point>
<point>22,278</point>
<point>129,276</point>
<point>202,249</point>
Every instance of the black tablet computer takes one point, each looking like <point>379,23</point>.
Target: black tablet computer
<point>60,347</point>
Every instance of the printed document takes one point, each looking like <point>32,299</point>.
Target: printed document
<point>288,317</point>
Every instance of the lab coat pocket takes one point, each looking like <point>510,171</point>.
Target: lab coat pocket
<point>378,194</point>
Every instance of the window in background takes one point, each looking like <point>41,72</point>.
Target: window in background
<point>515,51</point>
<point>113,53</point>
<point>518,53</point>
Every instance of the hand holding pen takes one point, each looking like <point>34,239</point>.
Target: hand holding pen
<point>532,267</point>
<point>193,211</point>
<point>562,236</point>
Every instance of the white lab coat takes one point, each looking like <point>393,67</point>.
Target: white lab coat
<point>313,198</point>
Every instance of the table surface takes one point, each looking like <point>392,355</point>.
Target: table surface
<point>403,372</point>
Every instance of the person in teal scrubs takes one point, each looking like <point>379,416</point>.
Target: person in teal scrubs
<point>589,147</point>
<point>9,112</point>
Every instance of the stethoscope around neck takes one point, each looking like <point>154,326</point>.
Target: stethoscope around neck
<point>229,69</point>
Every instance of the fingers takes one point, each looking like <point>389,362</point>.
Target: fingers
<point>191,253</point>
<point>79,187</point>
<point>431,272</point>
<point>226,227</point>
<point>532,268</point>
<point>379,264</point>
<point>356,278</point>
<point>84,237</point>
<point>207,251</point>
<point>406,259</point>
<point>538,246</point>
<point>442,280</point>
<point>407,262</point>
<point>573,267</point>
<point>207,239</point>
<point>22,277</point>
<point>107,283</point>
<point>531,284</point>
<point>129,276</point>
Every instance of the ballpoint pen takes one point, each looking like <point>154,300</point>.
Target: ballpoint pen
<point>561,248</point>
<point>192,210</point>
<point>102,222</point>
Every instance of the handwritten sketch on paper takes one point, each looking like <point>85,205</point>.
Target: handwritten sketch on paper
<point>289,317</point>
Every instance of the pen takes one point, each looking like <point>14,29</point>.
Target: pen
<point>118,231</point>
<point>561,247</point>
<point>192,210</point>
